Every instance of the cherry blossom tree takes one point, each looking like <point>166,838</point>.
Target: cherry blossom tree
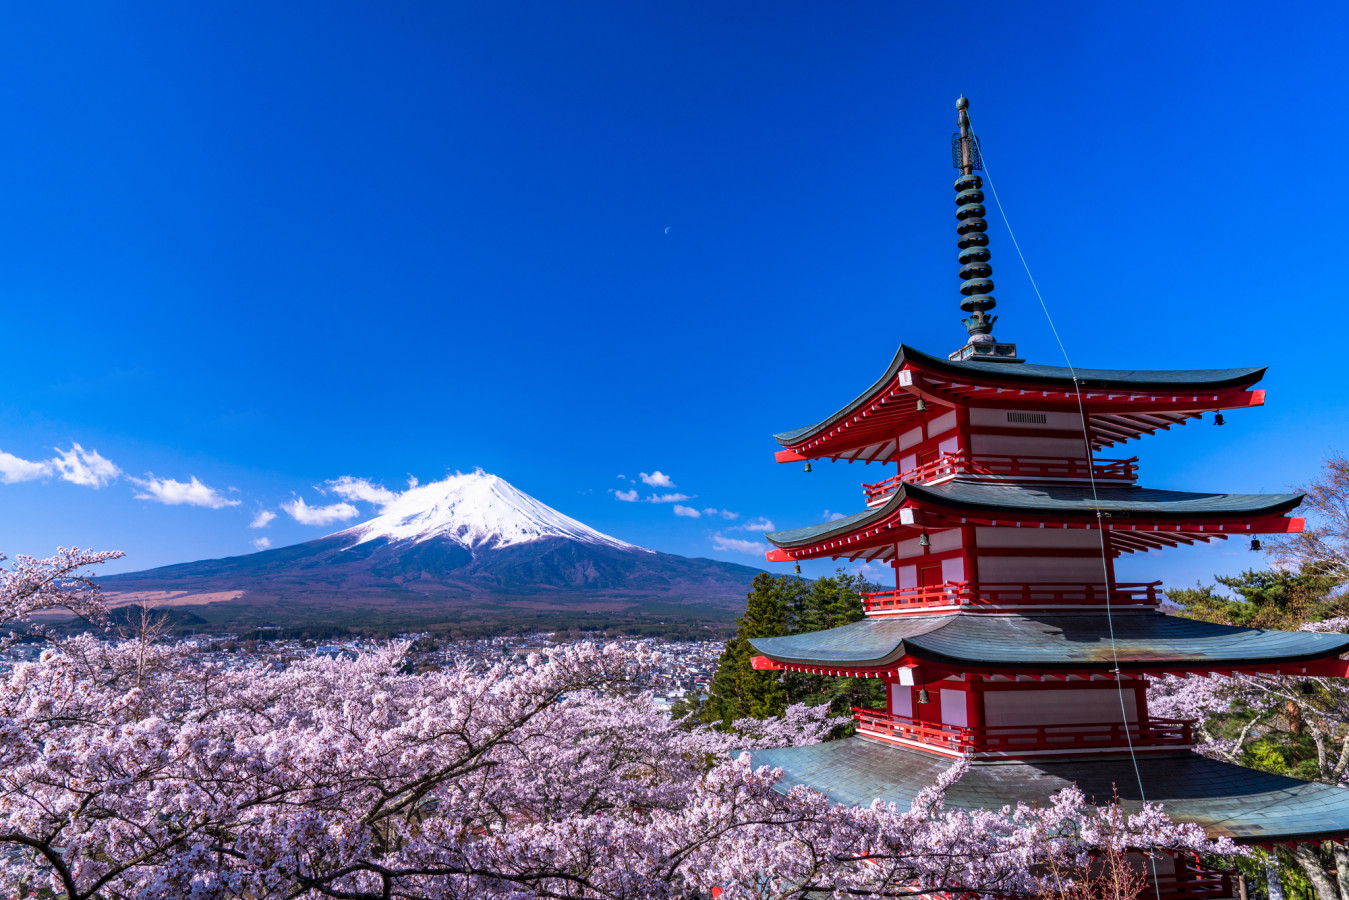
<point>134,769</point>
<point>1233,712</point>
<point>1324,546</point>
<point>32,586</point>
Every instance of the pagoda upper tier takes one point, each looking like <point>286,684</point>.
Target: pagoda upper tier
<point>1119,404</point>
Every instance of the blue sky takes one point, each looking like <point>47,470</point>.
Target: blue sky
<point>265,246</point>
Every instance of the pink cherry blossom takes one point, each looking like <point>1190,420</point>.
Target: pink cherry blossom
<point>134,769</point>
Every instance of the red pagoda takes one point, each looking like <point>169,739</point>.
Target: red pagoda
<point>1006,638</point>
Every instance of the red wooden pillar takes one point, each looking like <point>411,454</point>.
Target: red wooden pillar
<point>974,706</point>
<point>968,547</point>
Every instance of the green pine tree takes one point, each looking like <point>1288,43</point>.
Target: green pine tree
<point>1273,599</point>
<point>737,690</point>
<point>785,605</point>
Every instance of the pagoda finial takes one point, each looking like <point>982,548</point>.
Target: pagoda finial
<point>975,285</point>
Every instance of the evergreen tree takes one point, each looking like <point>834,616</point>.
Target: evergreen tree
<point>738,690</point>
<point>1274,599</point>
<point>785,605</point>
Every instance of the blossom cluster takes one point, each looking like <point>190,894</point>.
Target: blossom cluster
<point>131,768</point>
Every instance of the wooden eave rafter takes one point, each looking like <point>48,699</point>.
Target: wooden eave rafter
<point>863,435</point>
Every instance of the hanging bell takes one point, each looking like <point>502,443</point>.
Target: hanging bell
<point>1218,419</point>
<point>924,540</point>
<point>798,568</point>
<point>922,405</point>
<point>1255,543</point>
<point>922,696</point>
<point>807,465</point>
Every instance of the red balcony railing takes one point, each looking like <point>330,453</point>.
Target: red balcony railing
<point>970,595</point>
<point>1198,882</point>
<point>1029,738</point>
<point>949,464</point>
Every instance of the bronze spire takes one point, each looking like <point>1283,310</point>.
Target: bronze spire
<point>975,286</point>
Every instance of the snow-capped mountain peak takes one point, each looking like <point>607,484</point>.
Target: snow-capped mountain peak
<point>477,510</point>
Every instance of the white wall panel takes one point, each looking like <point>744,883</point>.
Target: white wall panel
<point>944,540</point>
<point>910,437</point>
<point>1040,570</point>
<point>953,711</point>
<point>941,424</point>
<point>999,418</point>
<point>1027,445</point>
<point>1060,538</point>
<point>901,700</point>
<point>953,569</point>
<point>1055,706</point>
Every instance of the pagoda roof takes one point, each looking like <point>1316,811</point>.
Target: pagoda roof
<point>970,374</point>
<point>1068,501</point>
<point>1247,805</point>
<point>1143,640</point>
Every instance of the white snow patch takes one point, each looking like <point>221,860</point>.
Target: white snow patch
<point>477,511</point>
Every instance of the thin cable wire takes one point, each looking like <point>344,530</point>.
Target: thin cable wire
<point>1095,499</point>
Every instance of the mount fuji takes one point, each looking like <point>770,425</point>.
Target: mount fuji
<point>469,546</point>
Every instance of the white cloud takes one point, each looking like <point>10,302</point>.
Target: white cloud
<point>656,479</point>
<point>687,511</point>
<point>262,519</point>
<point>181,493</point>
<point>412,482</point>
<point>84,467</point>
<point>668,498</point>
<point>735,545</point>
<point>13,469</point>
<point>626,496</point>
<point>305,514</point>
<point>833,516</point>
<point>76,465</point>
<point>262,543</point>
<point>350,488</point>
<point>873,572</point>
<point>724,513</point>
<point>760,524</point>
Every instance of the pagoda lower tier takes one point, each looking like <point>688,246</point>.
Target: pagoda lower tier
<point>1040,700</point>
<point>1247,805</point>
<point>1051,643</point>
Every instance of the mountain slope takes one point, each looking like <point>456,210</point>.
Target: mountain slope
<point>469,540</point>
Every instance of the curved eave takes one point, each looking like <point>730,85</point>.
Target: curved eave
<point>825,531</point>
<point>957,502</point>
<point>1027,374</point>
<point>1030,376</point>
<point>797,435</point>
<point>1084,501</point>
<point>1137,642</point>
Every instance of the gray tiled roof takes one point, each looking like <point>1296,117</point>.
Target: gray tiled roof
<point>1123,501</point>
<point>1162,380</point>
<point>1247,805</point>
<point>1142,640</point>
